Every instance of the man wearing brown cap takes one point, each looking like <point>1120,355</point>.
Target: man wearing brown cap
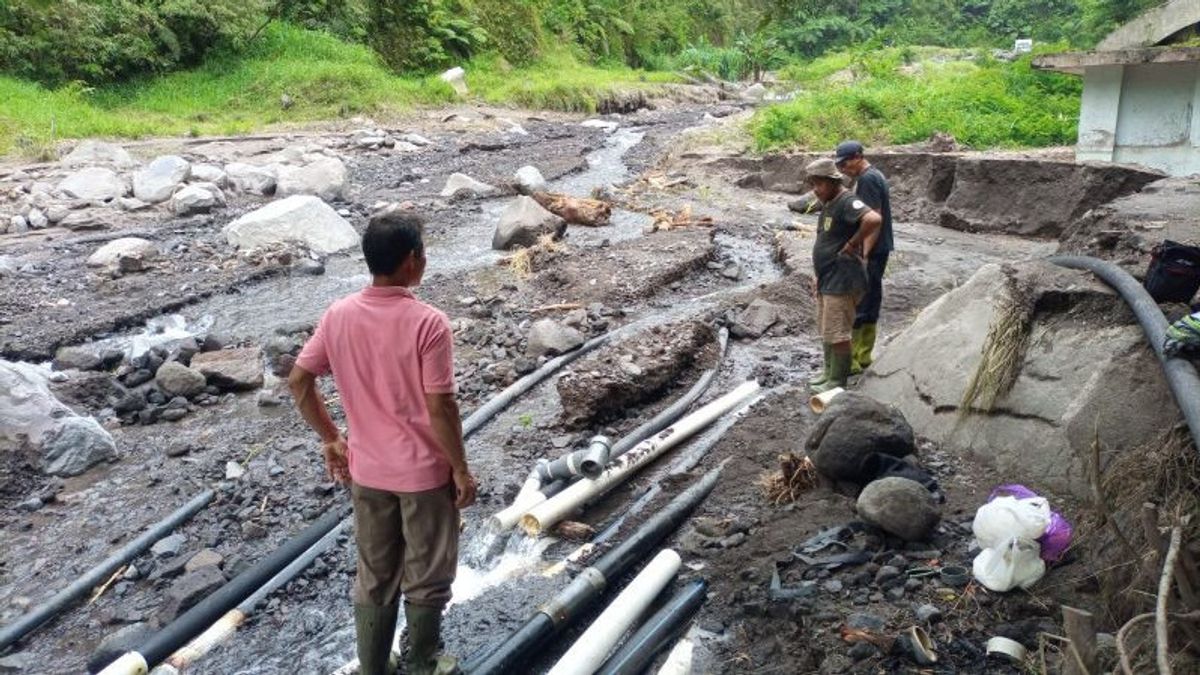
<point>871,186</point>
<point>844,225</point>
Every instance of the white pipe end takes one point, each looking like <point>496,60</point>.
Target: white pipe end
<point>130,663</point>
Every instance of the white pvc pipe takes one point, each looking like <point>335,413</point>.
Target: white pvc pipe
<point>821,401</point>
<point>526,499</point>
<point>591,649</point>
<point>679,661</point>
<point>130,663</point>
<point>545,515</point>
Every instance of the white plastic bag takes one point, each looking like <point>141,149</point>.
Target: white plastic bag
<point>1017,562</point>
<point>1004,518</point>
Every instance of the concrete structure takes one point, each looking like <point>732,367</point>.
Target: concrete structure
<point>1141,91</point>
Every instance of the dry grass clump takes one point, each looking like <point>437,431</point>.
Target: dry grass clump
<point>796,476</point>
<point>522,262</point>
<point>1003,349</point>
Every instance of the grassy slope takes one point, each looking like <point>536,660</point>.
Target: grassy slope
<point>325,77</point>
<point>881,100</point>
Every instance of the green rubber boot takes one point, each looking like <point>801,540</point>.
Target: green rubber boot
<point>823,376</point>
<point>862,344</point>
<point>839,371</point>
<point>375,627</point>
<point>425,641</point>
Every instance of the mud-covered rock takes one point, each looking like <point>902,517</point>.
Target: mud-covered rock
<point>549,337</point>
<point>852,428</point>
<point>302,218</point>
<point>76,445</point>
<point>114,645</point>
<point>901,507</point>
<point>176,379</point>
<point>460,185</point>
<point>250,179</point>
<point>98,152</point>
<point>523,222</point>
<point>95,184</point>
<point>231,369</point>
<point>77,358</point>
<point>109,254</point>
<point>190,589</point>
<point>755,319</point>
<point>159,179</point>
<point>606,384</point>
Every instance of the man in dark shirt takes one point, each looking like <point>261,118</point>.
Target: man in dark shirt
<point>844,226</point>
<point>872,188</point>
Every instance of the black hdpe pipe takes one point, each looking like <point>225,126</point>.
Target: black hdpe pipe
<point>1180,373</point>
<point>505,398</point>
<point>589,584</point>
<point>98,574</point>
<point>662,420</point>
<point>658,632</point>
<point>177,633</point>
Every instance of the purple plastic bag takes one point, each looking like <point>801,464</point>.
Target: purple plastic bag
<point>1057,538</point>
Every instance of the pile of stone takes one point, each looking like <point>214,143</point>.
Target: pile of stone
<point>378,139</point>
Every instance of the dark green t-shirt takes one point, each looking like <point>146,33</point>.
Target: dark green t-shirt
<point>839,274</point>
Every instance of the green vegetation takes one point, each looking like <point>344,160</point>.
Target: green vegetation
<point>889,96</point>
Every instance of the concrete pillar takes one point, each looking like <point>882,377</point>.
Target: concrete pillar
<point>1099,112</point>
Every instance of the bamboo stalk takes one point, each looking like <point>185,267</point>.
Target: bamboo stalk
<point>1164,592</point>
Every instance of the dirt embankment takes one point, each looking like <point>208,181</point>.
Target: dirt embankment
<point>971,192</point>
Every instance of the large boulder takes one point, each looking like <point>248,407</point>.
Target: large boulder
<point>250,179</point>
<point>95,183</point>
<point>98,152</point>
<point>529,180</point>
<point>899,506</point>
<point>852,428</point>
<point>236,369</point>
<point>324,178</point>
<point>755,319</point>
<point>110,254</point>
<point>302,218</point>
<point>159,179</point>
<point>549,337</point>
<point>523,222</point>
<point>67,444</point>
<point>1086,367</point>
<point>176,379</point>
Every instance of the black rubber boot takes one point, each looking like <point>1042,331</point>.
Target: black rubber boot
<point>424,642</point>
<point>375,627</point>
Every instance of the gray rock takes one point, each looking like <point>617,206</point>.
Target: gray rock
<point>232,369</point>
<point>77,445</point>
<point>755,319</point>
<point>928,614</point>
<point>863,621</point>
<point>205,557</point>
<point>302,218</point>
<point>18,225</point>
<point>77,358</point>
<point>415,139</point>
<point>30,505</point>
<point>853,427</point>
<point>210,173</point>
<point>176,379</point>
<point>325,178</point>
<point>732,271</point>
<point>57,213</point>
<point>461,185</point>
<point>169,546</point>
<point>132,204</point>
<point>98,152</point>
<point>885,574</point>
<point>190,589</point>
<point>548,337</point>
<point>192,199</point>
<point>159,179</point>
<point>254,180</point>
<point>1078,380</point>
<point>94,184</point>
<point>173,414</point>
<point>309,267</point>
<point>899,506</point>
<point>83,220</point>
<point>529,180</point>
<point>115,644</point>
<point>110,254</point>
<point>523,222</point>
<point>37,219</point>
<point>20,662</point>
<point>755,92</point>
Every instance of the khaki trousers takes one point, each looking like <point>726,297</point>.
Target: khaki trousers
<point>835,317</point>
<point>407,543</point>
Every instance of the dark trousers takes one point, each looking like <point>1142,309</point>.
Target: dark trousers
<point>868,307</point>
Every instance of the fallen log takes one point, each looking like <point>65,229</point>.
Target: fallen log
<point>575,210</point>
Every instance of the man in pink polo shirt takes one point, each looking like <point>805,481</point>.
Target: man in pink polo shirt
<point>392,360</point>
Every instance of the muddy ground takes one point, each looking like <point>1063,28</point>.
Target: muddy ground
<point>622,276</point>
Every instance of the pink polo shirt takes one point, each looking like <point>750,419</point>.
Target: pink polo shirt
<point>386,350</point>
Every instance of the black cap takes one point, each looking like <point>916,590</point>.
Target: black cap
<point>846,150</point>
